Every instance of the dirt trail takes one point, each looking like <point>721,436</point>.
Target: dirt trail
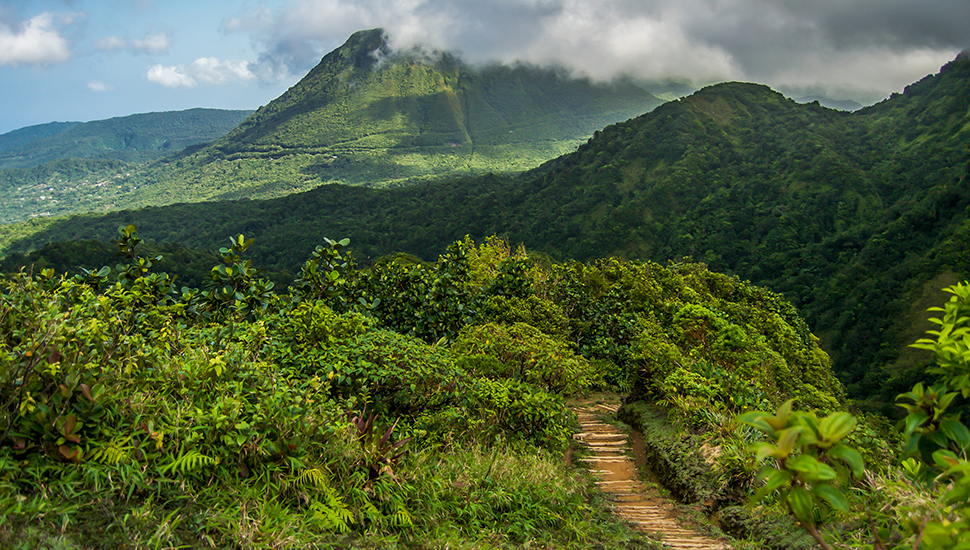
<point>610,459</point>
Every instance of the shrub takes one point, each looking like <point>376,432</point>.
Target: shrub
<point>524,353</point>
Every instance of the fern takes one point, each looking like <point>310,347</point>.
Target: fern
<point>188,461</point>
<point>329,510</point>
<point>400,517</point>
<point>312,477</point>
<point>114,453</point>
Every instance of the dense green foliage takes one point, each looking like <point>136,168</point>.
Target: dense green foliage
<point>857,218</point>
<point>133,139</point>
<point>232,416</point>
<point>921,499</point>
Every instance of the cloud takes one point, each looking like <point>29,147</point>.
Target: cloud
<point>152,43</point>
<point>871,46</point>
<point>98,86</point>
<point>207,70</point>
<point>34,42</point>
<point>212,71</point>
<point>170,77</point>
<point>111,44</point>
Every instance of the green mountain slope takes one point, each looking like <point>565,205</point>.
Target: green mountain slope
<point>858,218</point>
<point>135,138</point>
<point>364,116</point>
<point>369,116</point>
<point>23,136</point>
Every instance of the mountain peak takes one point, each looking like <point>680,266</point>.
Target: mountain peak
<point>363,49</point>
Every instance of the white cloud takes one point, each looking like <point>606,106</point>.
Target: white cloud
<point>98,86</point>
<point>152,43</point>
<point>869,46</point>
<point>111,43</point>
<point>212,71</point>
<point>207,70</point>
<point>35,42</point>
<point>171,77</point>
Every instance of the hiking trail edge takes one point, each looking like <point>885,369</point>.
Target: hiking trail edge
<point>610,459</point>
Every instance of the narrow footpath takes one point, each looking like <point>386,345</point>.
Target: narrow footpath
<point>611,459</point>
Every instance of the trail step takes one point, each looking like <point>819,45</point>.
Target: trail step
<point>610,460</point>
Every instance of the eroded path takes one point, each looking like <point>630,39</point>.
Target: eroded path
<point>610,458</point>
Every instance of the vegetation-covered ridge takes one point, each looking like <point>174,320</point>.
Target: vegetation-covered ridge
<point>855,217</point>
<point>405,405</point>
<point>135,139</point>
<point>364,116</point>
<point>27,134</point>
<point>61,168</point>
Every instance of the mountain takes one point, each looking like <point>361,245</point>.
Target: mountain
<point>28,134</point>
<point>365,115</point>
<point>858,218</point>
<point>135,139</point>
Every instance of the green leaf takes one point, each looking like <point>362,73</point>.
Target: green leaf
<point>810,468</point>
<point>836,426</point>
<point>833,496</point>
<point>946,400</point>
<point>938,438</point>
<point>849,456</point>
<point>802,504</point>
<point>776,480</point>
<point>763,450</point>
<point>756,419</point>
<point>780,420</point>
<point>956,495</point>
<point>945,459</point>
<point>915,420</point>
<point>803,464</point>
<point>957,432</point>
<point>786,441</point>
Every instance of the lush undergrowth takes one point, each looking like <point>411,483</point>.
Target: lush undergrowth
<point>412,405</point>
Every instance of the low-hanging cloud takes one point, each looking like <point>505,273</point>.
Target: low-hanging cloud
<point>37,41</point>
<point>205,70</point>
<point>866,47</point>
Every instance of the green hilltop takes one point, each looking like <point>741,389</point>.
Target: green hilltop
<point>857,218</point>
<point>22,136</point>
<point>135,139</point>
<point>365,115</point>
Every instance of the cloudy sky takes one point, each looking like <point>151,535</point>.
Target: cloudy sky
<point>92,59</point>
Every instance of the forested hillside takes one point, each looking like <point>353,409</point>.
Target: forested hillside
<point>364,116</point>
<point>858,218</point>
<point>135,139</point>
<point>21,136</point>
